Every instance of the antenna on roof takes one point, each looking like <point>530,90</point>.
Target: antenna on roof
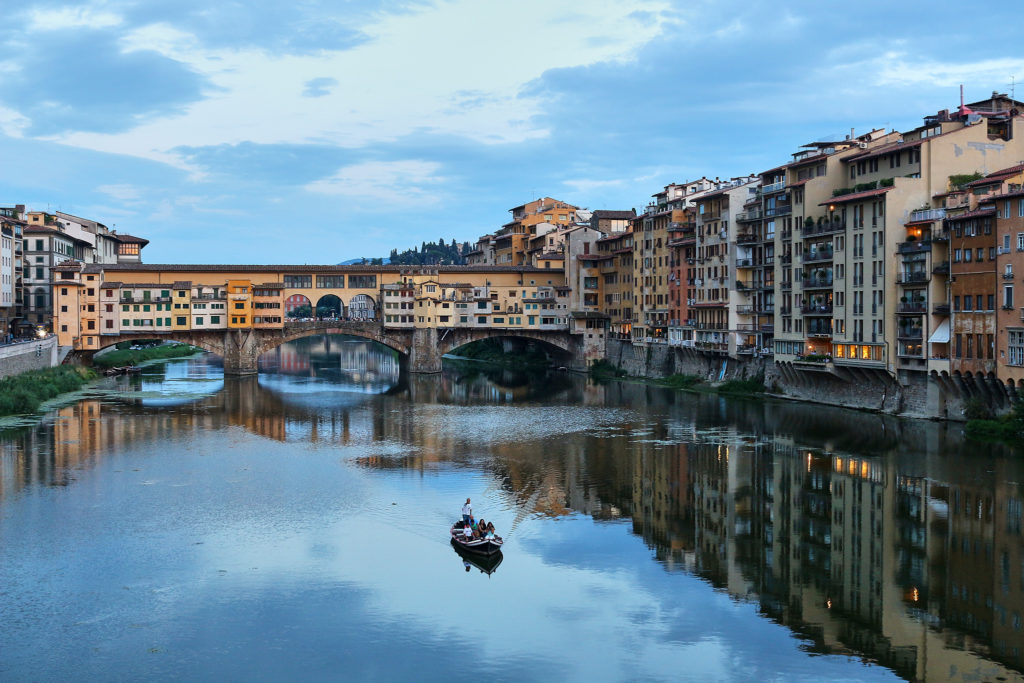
<point>1013,83</point>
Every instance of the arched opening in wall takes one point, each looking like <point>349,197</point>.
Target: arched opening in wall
<point>521,352</point>
<point>330,368</point>
<point>362,307</point>
<point>329,307</point>
<point>298,306</point>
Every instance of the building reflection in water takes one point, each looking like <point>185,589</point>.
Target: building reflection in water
<point>868,536</point>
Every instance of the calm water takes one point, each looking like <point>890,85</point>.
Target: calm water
<point>180,525</point>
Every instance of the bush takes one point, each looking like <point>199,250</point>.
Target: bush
<point>681,381</point>
<point>23,393</point>
<point>605,368</point>
<point>129,357</point>
<point>976,409</point>
<point>753,385</point>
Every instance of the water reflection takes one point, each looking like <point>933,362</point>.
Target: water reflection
<point>865,535</point>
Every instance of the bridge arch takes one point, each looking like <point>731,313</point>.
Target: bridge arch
<point>362,307</point>
<point>330,306</point>
<point>296,302</point>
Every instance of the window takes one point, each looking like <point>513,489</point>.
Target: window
<point>199,322</point>
<point>362,281</point>
<point>214,319</point>
<point>298,281</point>
<point>181,320</point>
<point>1015,347</point>
<point>239,305</point>
<point>1020,241</point>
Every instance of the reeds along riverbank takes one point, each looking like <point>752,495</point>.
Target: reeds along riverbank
<point>25,392</point>
<point>123,357</point>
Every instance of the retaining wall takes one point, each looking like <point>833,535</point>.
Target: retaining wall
<point>31,355</point>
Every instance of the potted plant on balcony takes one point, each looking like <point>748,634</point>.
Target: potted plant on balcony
<point>808,222</point>
<point>904,299</point>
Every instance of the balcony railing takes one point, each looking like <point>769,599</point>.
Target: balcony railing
<point>825,228</point>
<point>913,307</point>
<point>906,278</point>
<point>941,268</point>
<point>817,282</point>
<point>927,215</point>
<point>786,259</point>
<point>774,187</point>
<point>940,309</point>
<point>747,238</point>
<point>816,309</point>
<point>744,263</point>
<point>749,215</point>
<point>779,211</point>
<point>914,247</point>
<point>818,255</point>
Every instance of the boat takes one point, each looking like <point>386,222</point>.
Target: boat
<point>121,370</point>
<point>478,546</point>
<point>488,564</point>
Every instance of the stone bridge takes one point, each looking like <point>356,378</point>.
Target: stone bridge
<point>420,350</point>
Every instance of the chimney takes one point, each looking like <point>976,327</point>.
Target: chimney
<point>19,209</point>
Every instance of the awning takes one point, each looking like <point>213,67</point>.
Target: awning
<point>941,334</point>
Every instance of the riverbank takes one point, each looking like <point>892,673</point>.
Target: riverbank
<point>122,357</point>
<point>602,371</point>
<point>24,393</point>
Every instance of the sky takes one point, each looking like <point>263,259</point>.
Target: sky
<point>318,131</point>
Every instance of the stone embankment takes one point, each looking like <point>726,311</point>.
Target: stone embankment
<point>35,354</point>
<point>915,396</point>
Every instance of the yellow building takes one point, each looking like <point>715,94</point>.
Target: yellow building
<point>239,304</point>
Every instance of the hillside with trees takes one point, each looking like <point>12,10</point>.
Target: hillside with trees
<point>432,253</point>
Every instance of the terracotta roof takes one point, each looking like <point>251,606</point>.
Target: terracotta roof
<point>602,213</point>
<point>130,239</point>
<point>997,176</point>
<point>980,211</point>
<point>306,269</point>
<point>843,198</point>
<point>885,149</point>
<point>799,183</point>
<point>68,264</point>
<point>112,285</point>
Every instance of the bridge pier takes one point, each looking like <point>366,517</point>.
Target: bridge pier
<point>241,352</point>
<point>424,354</point>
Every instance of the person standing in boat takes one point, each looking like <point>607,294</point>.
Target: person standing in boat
<point>467,512</point>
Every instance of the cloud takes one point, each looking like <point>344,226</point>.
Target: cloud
<point>248,162</point>
<point>405,77</point>
<point>405,183</point>
<point>69,17</point>
<point>83,82</point>
<point>318,87</point>
<point>129,194</point>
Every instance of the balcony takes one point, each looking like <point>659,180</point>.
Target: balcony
<point>907,278</point>
<point>764,309</point>
<point>774,187</point>
<point>749,215</point>
<point>911,308</point>
<point>764,262</point>
<point>824,228</point>
<point>747,238</point>
<point>817,309</point>
<point>940,309</point>
<point>910,334</point>
<point>818,255</point>
<point>786,259</point>
<point>818,282</point>
<point>819,330</point>
<point>914,247</point>
<point>1008,275</point>
<point>923,215</point>
<point>742,286</point>
<point>778,211</point>
<point>941,268</point>
<point>744,263</point>
<point>786,284</point>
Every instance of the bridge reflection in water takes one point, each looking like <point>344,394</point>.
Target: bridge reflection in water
<point>867,535</point>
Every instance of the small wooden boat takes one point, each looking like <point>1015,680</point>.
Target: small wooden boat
<point>488,564</point>
<point>479,546</point>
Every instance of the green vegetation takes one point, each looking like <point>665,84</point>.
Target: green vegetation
<point>957,181</point>
<point>430,253</point>
<point>745,387</point>
<point>1009,427</point>
<point>681,381</point>
<point>493,351</point>
<point>605,369</point>
<point>123,356</point>
<point>886,182</point>
<point>23,393</point>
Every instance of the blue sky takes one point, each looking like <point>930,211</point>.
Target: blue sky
<point>316,131</point>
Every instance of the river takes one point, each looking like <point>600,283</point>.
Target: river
<point>293,526</point>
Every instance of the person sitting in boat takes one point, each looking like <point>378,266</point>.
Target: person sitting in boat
<point>490,530</point>
<point>467,532</point>
<point>480,529</point>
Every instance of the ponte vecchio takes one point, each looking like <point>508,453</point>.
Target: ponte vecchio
<point>242,311</point>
